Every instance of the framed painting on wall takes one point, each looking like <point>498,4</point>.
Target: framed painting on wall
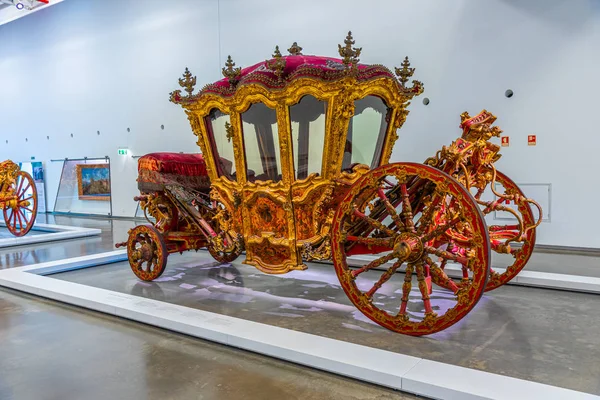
<point>93,181</point>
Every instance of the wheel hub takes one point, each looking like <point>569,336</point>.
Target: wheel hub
<point>146,252</point>
<point>408,246</point>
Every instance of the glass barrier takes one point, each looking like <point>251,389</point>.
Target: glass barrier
<point>84,188</point>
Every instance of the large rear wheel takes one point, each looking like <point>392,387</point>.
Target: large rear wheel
<point>401,215</point>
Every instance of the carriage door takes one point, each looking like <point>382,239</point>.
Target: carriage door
<point>310,191</point>
<point>268,215</point>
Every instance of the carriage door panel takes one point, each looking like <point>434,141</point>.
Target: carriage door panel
<point>225,188</point>
<point>309,190</point>
<point>268,215</point>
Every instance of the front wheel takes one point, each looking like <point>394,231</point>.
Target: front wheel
<point>402,214</point>
<point>147,252</point>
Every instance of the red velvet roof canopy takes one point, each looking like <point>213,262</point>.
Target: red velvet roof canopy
<point>292,67</point>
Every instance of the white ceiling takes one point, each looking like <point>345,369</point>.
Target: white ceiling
<point>9,13</point>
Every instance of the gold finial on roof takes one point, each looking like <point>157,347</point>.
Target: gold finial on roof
<point>277,64</point>
<point>187,83</point>
<point>348,53</point>
<point>405,72</point>
<point>295,50</point>
<point>231,73</point>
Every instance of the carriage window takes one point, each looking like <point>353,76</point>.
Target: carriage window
<point>366,133</point>
<point>308,134</point>
<point>223,146</point>
<point>261,142</point>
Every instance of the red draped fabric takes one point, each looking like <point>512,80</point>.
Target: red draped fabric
<point>174,163</point>
<point>296,66</point>
<point>158,169</point>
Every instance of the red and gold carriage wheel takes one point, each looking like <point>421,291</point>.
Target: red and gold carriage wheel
<point>147,252</point>
<point>400,213</point>
<point>227,253</point>
<point>20,211</point>
<point>518,255</point>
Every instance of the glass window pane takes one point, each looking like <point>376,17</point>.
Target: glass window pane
<point>308,135</point>
<point>366,133</point>
<point>261,143</point>
<point>222,144</point>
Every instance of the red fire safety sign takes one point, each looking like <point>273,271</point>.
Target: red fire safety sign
<point>531,140</point>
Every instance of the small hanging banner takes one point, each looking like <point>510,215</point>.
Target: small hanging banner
<point>505,141</point>
<point>531,140</point>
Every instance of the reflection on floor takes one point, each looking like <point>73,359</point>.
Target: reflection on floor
<point>516,331</point>
<point>5,233</point>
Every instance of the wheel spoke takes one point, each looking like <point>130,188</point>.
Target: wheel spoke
<point>407,214</point>
<point>24,191</point>
<point>19,217</point>
<point>427,215</point>
<point>440,276</point>
<point>373,264</point>
<point>446,255</point>
<point>440,229</point>
<point>406,286</point>
<point>18,184</point>
<point>390,209</point>
<point>384,278</point>
<point>424,290</point>
<point>373,241</point>
<point>374,223</point>
<point>24,216</point>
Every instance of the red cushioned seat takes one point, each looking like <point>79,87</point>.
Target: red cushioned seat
<point>174,163</point>
<point>158,169</point>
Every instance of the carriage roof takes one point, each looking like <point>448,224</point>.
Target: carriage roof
<point>280,83</point>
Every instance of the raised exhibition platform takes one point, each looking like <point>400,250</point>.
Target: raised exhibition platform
<point>43,233</point>
<point>344,345</point>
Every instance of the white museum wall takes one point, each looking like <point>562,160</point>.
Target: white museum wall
<point>81,67</point>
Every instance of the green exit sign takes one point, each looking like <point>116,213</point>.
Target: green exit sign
<point>123,152</point>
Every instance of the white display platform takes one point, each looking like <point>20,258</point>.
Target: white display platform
<point>55,232</point>
<point>410,374</point>
<point>547,280</point>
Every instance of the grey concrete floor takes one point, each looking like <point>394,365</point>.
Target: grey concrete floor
<point>50,351</point>
<point>543,335</point>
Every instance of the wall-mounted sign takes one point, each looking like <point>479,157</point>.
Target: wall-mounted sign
<point>123,152</point>
<point>531,140</point>
<point>505,140</point>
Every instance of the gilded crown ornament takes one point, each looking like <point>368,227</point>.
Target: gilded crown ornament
<point>277,65</point>
<point>230,72</point>
<point>404,74</point>
<point>350,55</point>
<point>187,83</point>
<point>295,50</point>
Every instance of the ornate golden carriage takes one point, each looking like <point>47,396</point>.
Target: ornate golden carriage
<point>18,198</point>
<point>295,167</point>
